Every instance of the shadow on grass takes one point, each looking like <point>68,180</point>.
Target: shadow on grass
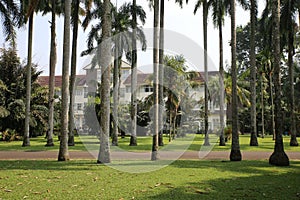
<point>47,165</point>
<point>274,186</point>
<point>253,180</point>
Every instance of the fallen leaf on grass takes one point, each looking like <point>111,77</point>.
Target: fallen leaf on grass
<point>7,190</point>
<point>157,184</point>
<point>198,191</point>
<point>37,193</point>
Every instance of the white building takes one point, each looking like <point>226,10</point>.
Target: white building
<point>87,84</point>
<point>81,92</point>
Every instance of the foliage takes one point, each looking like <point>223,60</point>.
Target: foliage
<point>12,97</point>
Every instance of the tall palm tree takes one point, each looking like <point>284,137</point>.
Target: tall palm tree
<point>63,154</point>
<point>105,52</point>
<point>74,21</point>
<point>9,13</point>
<point>133,140</point>
<point>52,63</point>
<point>218,12</point>
<point>253,11</point>
<point>278,157</point>
<point>29,15</point>
<point>288,25</point>
<point>154,155</point>
<point>235,154</point>
<point>204,4</point>
<point>161,71</point>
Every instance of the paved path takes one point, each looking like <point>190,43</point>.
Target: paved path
<point>220,155</point>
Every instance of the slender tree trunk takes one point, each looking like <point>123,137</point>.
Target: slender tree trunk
<point>161,73</point>
<point>205,14</point>
<point>235,154</point>
<point>262,108</point>
<point>272,106</point>
<point>154,155</point>
<point>105,52</point>
<point>115,95</point>
<point>293,141</point>
<point>253,140</point>
<point>133,141</point>
<point>222,90</point>
<point>26,139</point>
<point>52,76</point>
<point>73,73</point>
<point>63,154</point>
<point>278,157</point>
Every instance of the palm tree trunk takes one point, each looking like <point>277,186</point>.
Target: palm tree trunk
<point>52,76</point>
<point>105,52</point>
<point>205,14</point>
<point>235,154</point>
<point>73,73</point>
<point>115,95</point>
<point>161,72</point>
<point>293,141</point>
<point>26,140</point>
<point>63,154</point>
<point>278,157</point>
<point>222,90</point>
<point>272,106</point>
<point>154,155</point>
<point>262,109</point>
<point>253,140</point>
<point>133,141</point>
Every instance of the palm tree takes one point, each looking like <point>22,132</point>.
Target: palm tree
<point>75,21</point>
<point>253,140</point>
<point>278,157</point>
<point>288,31</point>
<point>235,154</point>
<point>218,7</point>
<point>29,15</point>
<point>52,63</point>
<point>204,4</point>
<point>63,154</point>
<point>10,13</point>
<point>133,141</point>
<point>154,155</point>
<point>105,52</point>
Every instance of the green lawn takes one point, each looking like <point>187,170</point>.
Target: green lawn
<point>183,179</point>
<point>192,142</point>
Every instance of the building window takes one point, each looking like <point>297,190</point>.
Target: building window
<point>128,89</point>
<point>122,92</point>
<point>85,92</point>
<point>148,88</point>
<point>79,106</point>
<point>78,92</point>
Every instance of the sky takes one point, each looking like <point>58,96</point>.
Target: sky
<point>180,21</point>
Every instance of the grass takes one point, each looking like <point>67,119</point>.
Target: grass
<point>192,142</point>
<point>183,179</point>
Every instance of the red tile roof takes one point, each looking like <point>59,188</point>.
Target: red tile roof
<point>141,79</point>
<point>44,80</point>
